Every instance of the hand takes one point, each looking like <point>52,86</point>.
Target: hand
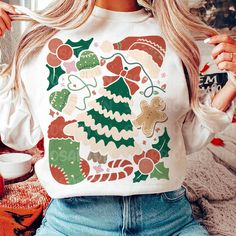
<point>5,20</point>
<point>224,52</point>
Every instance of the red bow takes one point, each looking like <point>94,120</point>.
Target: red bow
<point>116,67</point>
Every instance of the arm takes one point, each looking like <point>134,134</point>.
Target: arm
<point>5,20</point>
<point>224,55</point>
<point>19,128</point>
<point>219,105</point>
<point>224,97</point>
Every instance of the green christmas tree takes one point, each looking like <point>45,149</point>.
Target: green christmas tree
<point>107,127</point>
<point>120,125</point>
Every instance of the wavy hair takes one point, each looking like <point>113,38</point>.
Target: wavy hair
<point>174,17</point>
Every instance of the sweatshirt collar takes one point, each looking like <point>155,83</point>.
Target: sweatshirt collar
<point>133,16</point>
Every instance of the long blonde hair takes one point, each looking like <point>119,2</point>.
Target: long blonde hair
<point>177,24</point>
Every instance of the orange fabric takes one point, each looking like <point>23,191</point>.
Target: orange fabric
<point>19,222</point>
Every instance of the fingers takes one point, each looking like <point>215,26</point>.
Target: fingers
<point>224,43</point>
<point>8,8</point>
<point>3,27</point>
<point>227,66</point>
<point>223,47</point>
<point>225,56</point>
<point>6,19</point>
<point>222,38</point>
<point>224,53</point>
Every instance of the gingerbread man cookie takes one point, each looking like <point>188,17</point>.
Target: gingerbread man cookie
<point>151,114</point>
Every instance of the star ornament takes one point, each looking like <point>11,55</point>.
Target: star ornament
<point>70,67</point>
<point>51,113</point>
<point>163,75</point>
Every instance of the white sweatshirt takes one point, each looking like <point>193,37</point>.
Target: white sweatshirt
<point>111,101</point>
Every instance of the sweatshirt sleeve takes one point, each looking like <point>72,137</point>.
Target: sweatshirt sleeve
<point>19,128</point>
<point>197,132</point>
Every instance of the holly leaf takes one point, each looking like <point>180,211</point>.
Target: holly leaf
<point>79,46</point>
<point>160,171</point>
<point>162,145</point>
<point>54,74</point>
<point>139,177</point>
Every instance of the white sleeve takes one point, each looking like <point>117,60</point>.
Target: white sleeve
<point>19,128</point>
<point>197,132</point>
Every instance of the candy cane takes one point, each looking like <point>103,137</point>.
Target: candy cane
<point>127,170</point>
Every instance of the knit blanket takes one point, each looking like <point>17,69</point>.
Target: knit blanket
<point>211,190</point>
<point>28,193</point>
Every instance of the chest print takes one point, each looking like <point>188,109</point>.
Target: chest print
<point>106,124</point>
<point>151,114</point>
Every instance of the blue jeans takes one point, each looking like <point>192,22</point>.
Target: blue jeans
<point>163,214</point>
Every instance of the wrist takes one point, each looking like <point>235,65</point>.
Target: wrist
<point>232,79</point>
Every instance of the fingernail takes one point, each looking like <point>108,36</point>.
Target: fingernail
<point>17,11</point>
<point>207,40</point>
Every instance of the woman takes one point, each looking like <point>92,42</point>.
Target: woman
<point>104,84</point>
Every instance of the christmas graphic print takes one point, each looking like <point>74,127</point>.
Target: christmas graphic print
<point>98,132</point>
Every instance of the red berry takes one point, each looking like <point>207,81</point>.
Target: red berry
<point>137,158</point>
<point>154,155</point>
<point>54,44</point>
<point>64,52</point>
<point>53,60</point>
<point>146,166</point>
